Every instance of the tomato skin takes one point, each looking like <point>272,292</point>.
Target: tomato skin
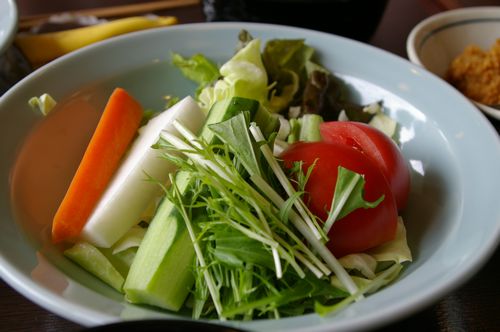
<point>362,229</point>
<point>377,146</point>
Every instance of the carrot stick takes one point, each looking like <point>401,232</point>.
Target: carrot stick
<point>114,133</point>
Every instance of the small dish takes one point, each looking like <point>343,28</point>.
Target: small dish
<point>437,40</point>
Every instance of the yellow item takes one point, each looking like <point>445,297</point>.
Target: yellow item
<point>42,48</point>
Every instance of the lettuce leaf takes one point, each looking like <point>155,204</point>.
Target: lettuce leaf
<point>396,251</point>
<point>363,263</point>
<point>285,61</point>
<point>197,68</point>
<point>131,239</point>
<point>243,75</point>
<point>234,248</point>
<point>371,261</point>
<point>366,286</point>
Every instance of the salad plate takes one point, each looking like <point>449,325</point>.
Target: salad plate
<point>452,217</point>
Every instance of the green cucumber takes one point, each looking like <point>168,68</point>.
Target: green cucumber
<point>95,262</point>
<point>294,135</point>
<point>121,260</point>
<point>309,127</point>
<point>305,129</point>
<point>161,272</point>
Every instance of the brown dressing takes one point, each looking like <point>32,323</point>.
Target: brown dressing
<point>49,157</point>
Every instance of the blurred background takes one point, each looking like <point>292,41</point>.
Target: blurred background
<point>383,23</point>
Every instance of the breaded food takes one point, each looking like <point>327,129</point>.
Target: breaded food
<point>476,73</point>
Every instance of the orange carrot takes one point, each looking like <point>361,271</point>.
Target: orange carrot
<point>114,133</point>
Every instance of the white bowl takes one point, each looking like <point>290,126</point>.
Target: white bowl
<point>437,40</point>
<point>8,23</point>
<point>453,215</point>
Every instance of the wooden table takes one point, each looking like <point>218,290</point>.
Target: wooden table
<point>473,307</point>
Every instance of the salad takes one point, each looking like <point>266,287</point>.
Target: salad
<point>265,194</point>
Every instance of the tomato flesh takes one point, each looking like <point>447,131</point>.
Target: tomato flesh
<point>362,229</point>
<point>378,147</point>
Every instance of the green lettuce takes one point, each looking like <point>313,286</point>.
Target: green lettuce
<point>197,68</point>
<point>396,251</point>
<point>285,61</point>
<point>243,75</point>
<point>370,262</point>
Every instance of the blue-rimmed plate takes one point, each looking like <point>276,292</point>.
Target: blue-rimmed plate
<point>453,217</point>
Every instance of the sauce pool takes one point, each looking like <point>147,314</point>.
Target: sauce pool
<point>49,158</point>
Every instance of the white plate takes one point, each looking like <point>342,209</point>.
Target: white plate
<point>453,217</point>
<point>8,23</point>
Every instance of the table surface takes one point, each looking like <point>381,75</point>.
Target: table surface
<point>475,306</point>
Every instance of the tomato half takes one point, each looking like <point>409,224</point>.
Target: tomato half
<point>363,228</point>
<point>377,146</point>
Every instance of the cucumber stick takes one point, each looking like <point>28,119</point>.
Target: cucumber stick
<point>161,273</point>
<point>309,127</point>
<point>95,262</point>
<point>305,129</point>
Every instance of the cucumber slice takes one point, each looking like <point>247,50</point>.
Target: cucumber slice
<point>160,274</point>
<point>94,261</point>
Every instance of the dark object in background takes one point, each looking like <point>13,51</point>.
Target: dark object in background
<point>13,67</point>
<point>356,19</point>
<point>162,325</point>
